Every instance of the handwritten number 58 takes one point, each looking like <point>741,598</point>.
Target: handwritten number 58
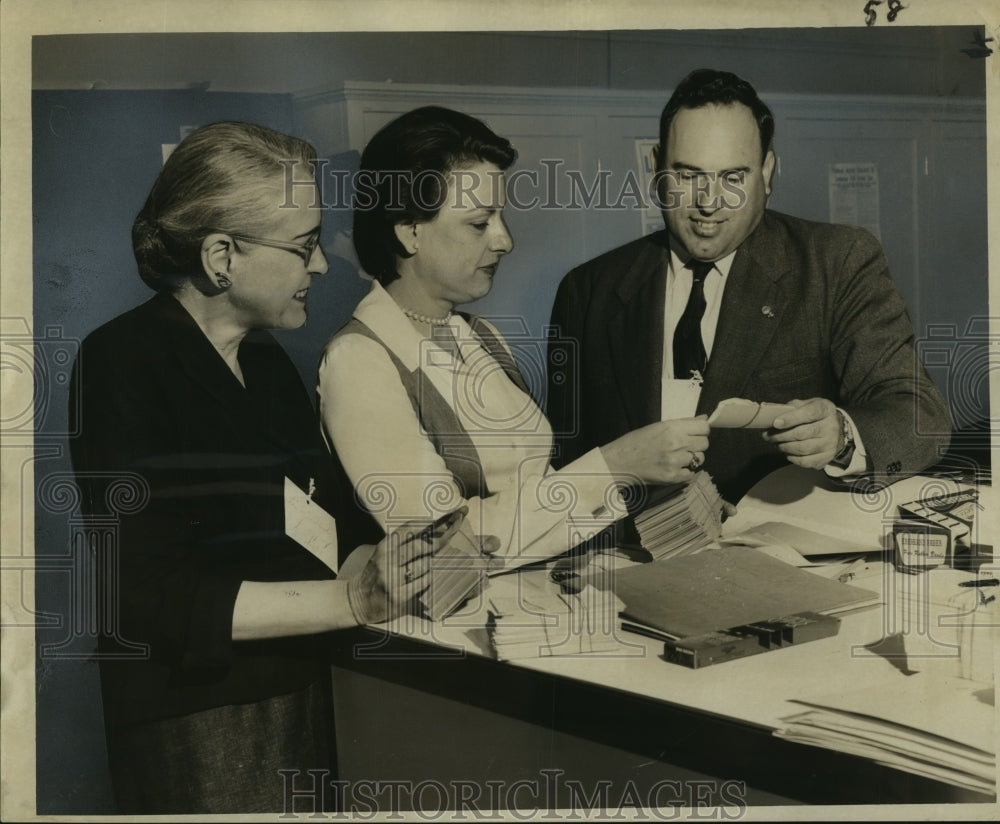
<point>894,6</point>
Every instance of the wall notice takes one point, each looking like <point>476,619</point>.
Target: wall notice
<point>854,195</point>
<point>652,217</point>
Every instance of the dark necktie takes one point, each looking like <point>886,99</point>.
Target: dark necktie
<point>689,349</point>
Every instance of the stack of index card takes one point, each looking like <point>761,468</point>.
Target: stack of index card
<point>530,621</point>
<point>681,519</point>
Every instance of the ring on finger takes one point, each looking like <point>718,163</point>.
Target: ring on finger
<point>694,463</point>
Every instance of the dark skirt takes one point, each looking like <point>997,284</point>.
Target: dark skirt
<point>243,758</point>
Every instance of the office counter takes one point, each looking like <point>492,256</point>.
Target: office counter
<point>427,703</point>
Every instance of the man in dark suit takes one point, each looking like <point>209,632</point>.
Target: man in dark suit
<point>735,301</point>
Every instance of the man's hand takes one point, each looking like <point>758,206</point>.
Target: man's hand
<point>810,435</point>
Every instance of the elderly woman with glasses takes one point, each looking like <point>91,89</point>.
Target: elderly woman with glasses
<point>425,406</point>
<point>215,686</point>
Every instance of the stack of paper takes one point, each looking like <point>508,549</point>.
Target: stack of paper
<point>937,727</point>
<point>529,621</point>
<point>681,519</point>
<point>458,571</point>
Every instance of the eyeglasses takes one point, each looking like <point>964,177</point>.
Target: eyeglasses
<point>303,250</point>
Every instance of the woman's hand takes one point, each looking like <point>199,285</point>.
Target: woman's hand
<point>663,452</point>
<point>376,583</point>
<point>396,572</point>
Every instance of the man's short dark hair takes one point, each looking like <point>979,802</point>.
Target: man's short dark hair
<point>705,87</point>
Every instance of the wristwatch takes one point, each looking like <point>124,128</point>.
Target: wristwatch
<point>842,459</point>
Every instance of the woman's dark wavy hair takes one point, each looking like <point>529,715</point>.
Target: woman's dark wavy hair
<point>705,87</point>
<point>403,173</point>
<point>225,176</point>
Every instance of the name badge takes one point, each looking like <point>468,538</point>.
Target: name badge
<point>309,525</point>
<point>679,398</point>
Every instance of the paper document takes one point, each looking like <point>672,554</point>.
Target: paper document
<point>809,499</point>
<point>894,727</point>
<point>311,526</point>
<point>806,541</point>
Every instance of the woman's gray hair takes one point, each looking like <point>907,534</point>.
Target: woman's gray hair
<point>223,177</point>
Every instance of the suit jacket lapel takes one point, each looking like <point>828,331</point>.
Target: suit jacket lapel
<point>635,333</point>
<point>753,305</point>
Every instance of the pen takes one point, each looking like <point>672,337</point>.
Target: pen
<point>985,582</point>
<point>849,573</point>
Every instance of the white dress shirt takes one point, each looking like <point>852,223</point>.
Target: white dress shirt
<point>679,396</point>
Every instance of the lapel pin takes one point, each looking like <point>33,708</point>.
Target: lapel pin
<point>767,311</point>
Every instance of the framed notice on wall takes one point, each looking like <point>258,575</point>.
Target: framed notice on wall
<point>854,195</point>
<point>652,219</point>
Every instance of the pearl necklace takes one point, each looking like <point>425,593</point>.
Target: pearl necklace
<point>425,319</point>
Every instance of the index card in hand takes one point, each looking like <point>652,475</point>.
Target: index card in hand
<point>740,413</point>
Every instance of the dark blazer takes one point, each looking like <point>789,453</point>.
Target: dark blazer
<point>809,310</point>
<point>159,403</point>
